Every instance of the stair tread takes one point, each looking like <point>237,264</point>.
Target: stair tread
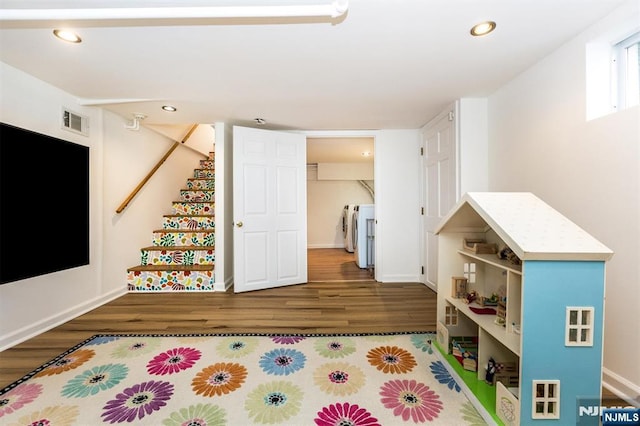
<point>182,201</point>
<point>185,230</point>
<point>178,248</point>
<point>171,268</point>
<point>188,215</point>
<point>197,189</point>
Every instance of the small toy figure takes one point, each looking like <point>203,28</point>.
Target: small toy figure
<point>471,296</point>
<point>491,371</point>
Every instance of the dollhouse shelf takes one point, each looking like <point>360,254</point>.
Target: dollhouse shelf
<point>558,277</point>
<point>486,322</point>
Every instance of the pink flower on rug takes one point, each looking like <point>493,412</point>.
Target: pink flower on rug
<point>19,396</point>
<point>345,414</point>
<point>410,399</point>
<point>287,340</point>
<point>173,361</point>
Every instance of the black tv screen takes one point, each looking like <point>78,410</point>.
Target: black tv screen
<point>44,204</point>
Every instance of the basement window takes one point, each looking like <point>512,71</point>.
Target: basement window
<point>626,64</point>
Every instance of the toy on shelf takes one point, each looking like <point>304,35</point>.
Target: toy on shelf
<point>507,254</point>
<point>501,314</point>
<point>465,350</point>
<point>490,371</point>
<point>470,297</point>
<point>479,246</point>
<point>459,287</point>
<point>489,301</point>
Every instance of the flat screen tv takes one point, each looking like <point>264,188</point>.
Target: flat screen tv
<point>44,204</point>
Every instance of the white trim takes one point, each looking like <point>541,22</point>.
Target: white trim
<point>223,286</point>
<point>621,387</point>
<point>321,246</point>
<point>40,327</point>
<point>406,278</point>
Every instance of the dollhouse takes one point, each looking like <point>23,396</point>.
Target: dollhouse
<point>548,276</point>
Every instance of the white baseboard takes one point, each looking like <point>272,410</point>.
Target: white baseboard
<point>226,285</point>
<point>622,387</point>
<point>398,278</point>
<point>40,327</point>
<point>317,246</point>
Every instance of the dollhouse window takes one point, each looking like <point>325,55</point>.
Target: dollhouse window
<point>546,399</point>
<point>579,326</point>
<point>450,315</point>
<point>470,272</point>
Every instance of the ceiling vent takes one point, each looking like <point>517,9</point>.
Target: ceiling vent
<point>75,122</point>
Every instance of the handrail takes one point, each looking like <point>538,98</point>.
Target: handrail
<point>155,168</point>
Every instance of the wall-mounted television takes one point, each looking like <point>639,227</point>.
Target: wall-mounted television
<point>44,204</point>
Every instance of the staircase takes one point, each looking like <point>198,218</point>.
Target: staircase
<point>182,254</point>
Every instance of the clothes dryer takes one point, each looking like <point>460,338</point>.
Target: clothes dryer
<point>361,213</point>
<point>347,225</point>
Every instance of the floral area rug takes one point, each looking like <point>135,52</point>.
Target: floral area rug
<point>382,379</point>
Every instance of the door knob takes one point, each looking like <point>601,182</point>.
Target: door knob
<point>239,224</point>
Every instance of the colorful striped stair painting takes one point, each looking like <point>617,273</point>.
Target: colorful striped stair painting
<point>182,254</point>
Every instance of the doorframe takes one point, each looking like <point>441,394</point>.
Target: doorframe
<point>356,134</point>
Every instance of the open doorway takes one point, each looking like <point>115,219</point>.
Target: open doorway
<point>340,176</point>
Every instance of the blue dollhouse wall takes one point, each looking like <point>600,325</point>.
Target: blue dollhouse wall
<point>549,287</point>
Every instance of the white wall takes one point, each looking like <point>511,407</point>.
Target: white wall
<point>325,202</point>
<point>118,160</point>
<point>397,189</point>
<point>541,142</point>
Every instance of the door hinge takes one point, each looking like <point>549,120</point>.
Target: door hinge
<point>421,151</point>
<point>422,211</point>
<point>422,270</point>
<point>451,115</point>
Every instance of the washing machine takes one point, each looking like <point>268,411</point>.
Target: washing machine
<point>347,224</point>
<point>361,213</point>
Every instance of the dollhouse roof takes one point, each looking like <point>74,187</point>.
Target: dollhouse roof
<point>529,226</point>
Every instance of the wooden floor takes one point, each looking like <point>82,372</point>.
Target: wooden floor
<point>332,306</point>
<point>331,264</point>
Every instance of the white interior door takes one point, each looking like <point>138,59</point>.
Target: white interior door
<point>269,209</point>
<point>440,185</point>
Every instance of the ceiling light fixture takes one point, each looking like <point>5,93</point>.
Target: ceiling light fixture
<point>329,8</point>
<point>366,154</point>
<point>169,108</point>
<point>483,28</point>
<point>67,35</point>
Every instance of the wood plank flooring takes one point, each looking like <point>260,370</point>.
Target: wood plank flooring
<point>343,303</point>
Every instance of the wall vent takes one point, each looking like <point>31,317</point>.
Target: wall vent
<point>75,122</point>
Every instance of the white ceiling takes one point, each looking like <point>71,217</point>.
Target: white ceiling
<point>384,64</point>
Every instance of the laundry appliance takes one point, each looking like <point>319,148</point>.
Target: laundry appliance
<point>347,225</point>
<point>362,243</point>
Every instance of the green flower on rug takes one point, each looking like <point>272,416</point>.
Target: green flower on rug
<point>219,379</point>
<point>18,397</point>
<point>61,415</point>
<point>197,415</point>
<point>70,361</point>
<point>173,361</point>
<point>339,378</point>
<point>345,415</point>
<point>137,401</point>
<point>274,402</point>
<point>424,342</point>
<point>334,347</point>
<point>410,399</point>
<point>282,362</point>
<point>133,347</point>
<point>95,380</point>
<point>471,415</point>
<point>237,347</point>
<point>391,359</point>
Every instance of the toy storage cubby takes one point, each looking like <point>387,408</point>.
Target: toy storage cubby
<point>545,267</point>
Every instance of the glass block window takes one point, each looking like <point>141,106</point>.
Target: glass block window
<point>579,326</point>
<point>546,399</point>
<point>450,315</point>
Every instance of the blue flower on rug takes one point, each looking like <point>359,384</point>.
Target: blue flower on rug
<point>282,362</point>
<point>423,342</point>
<point>443,376</point>
<point>101,340</point>
<point>95,380</point>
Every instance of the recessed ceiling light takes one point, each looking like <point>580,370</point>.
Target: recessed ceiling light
<point>483,28</point>
<point>67,35</point>
<point>366,154</point>
<point>169,108</point>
